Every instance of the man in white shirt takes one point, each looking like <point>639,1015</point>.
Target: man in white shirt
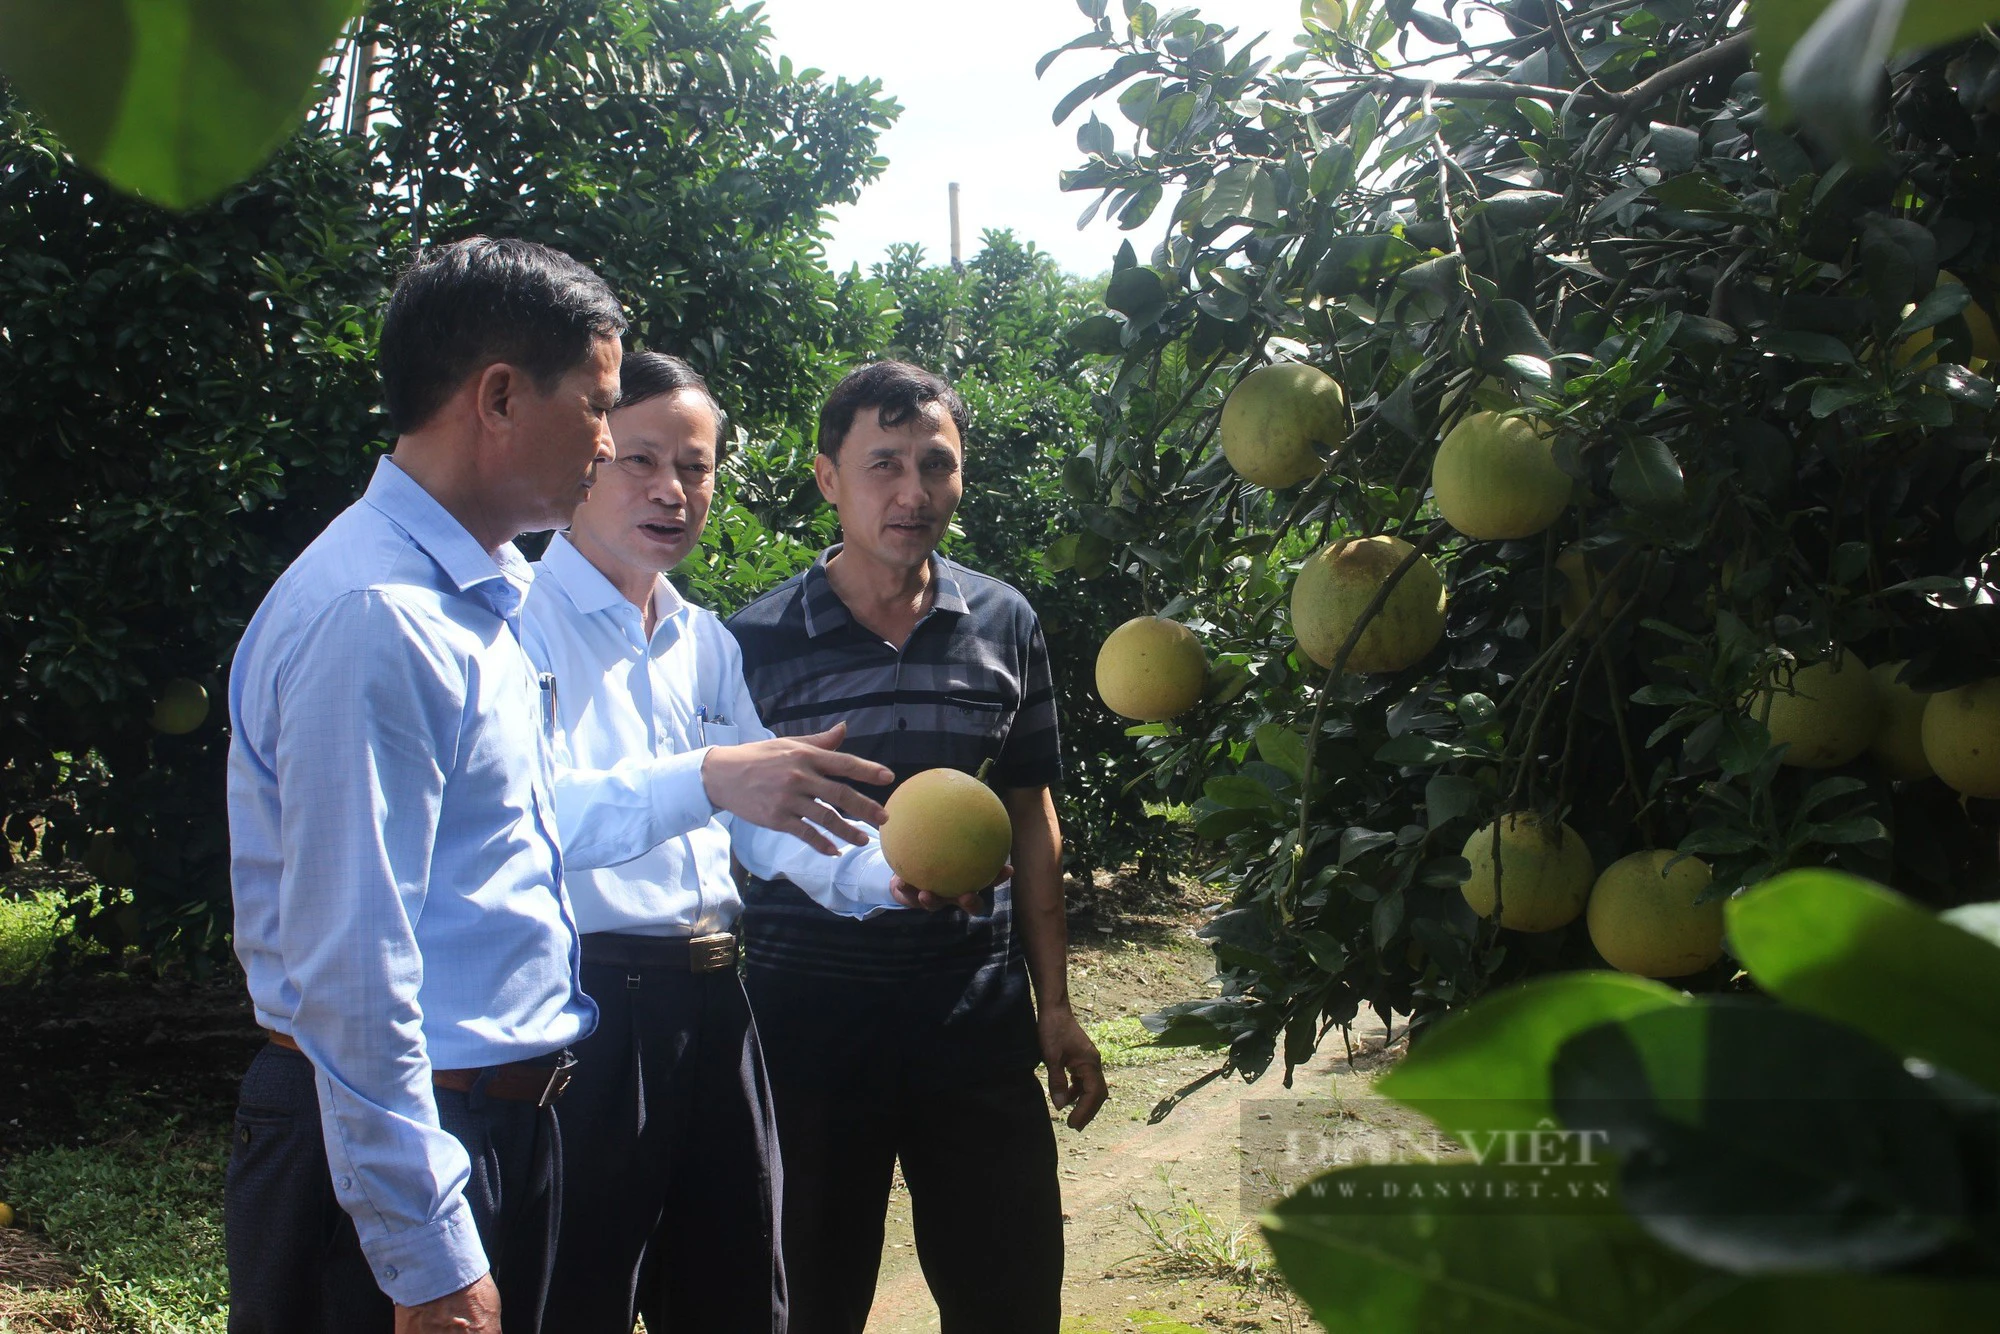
<point>670,1187</point>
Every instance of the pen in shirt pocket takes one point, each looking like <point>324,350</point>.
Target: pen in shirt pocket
<point>547,682</point>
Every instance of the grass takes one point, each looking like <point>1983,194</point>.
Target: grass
<point>142,1218</point>
<point>1124,1043</point>
<point>1189,1241</point>
<point>28,933</point>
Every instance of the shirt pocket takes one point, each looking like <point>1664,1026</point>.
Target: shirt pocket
<point>719,734</point>
<point>977,713</point>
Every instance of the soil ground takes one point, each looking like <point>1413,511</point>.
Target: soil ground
<point>102,1054</point>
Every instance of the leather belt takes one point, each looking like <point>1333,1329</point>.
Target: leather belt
<point>539,1082</point>
<point>711,953</point>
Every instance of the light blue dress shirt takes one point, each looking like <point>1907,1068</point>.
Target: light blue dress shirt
<point>621,693</point>
<point>395,857</point>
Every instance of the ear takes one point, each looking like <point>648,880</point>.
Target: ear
<point>826,473</point>
<point>494,396</point>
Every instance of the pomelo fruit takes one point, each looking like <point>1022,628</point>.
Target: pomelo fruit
<point>181,707</point>
<point>1962,737</point>
<point>1496,477</point>
<point>947,832</point>
<point>1583,579</point>
<point>1978,323</point>
<point>1545,875</point>
<point>1898,744</point>
<point>110,862</point>
<point>1280,422</point>
<point>1827,713</point>
<point>1643,918</point>
<point>1337,584</point>
<point>1151,669</point>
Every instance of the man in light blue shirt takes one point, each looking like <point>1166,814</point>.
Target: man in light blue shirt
<point>670,1191</point>
<point>399,832</point>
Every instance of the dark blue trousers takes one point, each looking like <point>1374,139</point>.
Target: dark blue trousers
<point>855,1095</point>
<point>670,1166</point>
<point>295,1264</point>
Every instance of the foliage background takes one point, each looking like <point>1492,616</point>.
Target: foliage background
<point>190,397</point>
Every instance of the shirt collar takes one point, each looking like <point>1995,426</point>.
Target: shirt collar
<point>825,612</point>
<point>592,592</point>
<point>472,569</point>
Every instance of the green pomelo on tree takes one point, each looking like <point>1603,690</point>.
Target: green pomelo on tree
<point>1643,916</point>
<point>1545,874</point>
<point>182,706</point>
<point>1151,669</point>
<point>1962,737</point>
<point>1898,745</point>
<point>1280,424</point>
<point>1496,477</point>
<point>947,832</point>
<point>1335,586</point>
<point>1827,713</point>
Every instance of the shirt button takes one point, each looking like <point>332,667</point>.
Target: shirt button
<point>344,1183</point>
<point>389,1272</point>
<point>902,724</point>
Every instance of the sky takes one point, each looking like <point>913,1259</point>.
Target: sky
<point>974,113</point>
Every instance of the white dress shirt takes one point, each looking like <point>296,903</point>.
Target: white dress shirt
<point>621,695</point>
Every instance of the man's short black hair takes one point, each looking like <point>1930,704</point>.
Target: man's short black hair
<point>644,375</point>
<point>462,307</point>
<point>898,391</point>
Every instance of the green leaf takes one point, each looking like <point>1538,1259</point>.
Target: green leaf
<point>1759,1139</point>
<point>1238,792</point>
<point>1282,748</point>
<point>1831,73</point>
<point>1944,301</point>
<point>1242,190</point>
<point>1139,293</point>
<point>1354,263</point>
<point>1099,333</point>
<point>1384,1248</point>
<point>1646,475</point>
<point>1488,1066</point>
<point>1871,959</point>
<point>1448,796</point>
<point>171,100</point>
<point>1816,348</point>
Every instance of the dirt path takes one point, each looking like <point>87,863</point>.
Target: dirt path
<point>1118,1278</point>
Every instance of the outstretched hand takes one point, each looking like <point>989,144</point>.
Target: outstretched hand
<point>785,782</point>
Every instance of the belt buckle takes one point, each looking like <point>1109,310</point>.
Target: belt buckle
<point>710,953</point>
<point>559,1077</point>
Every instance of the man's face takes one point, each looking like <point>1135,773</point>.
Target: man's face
<point>562,436</point>
<point>895,488</point>
<point>646,512</point>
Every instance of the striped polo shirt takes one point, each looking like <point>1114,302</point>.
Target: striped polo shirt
<point>971,684</point>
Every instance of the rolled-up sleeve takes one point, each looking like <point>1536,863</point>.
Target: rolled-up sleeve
<point>370,720</point>
<point>608,816</point>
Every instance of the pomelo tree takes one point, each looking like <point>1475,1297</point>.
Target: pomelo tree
<point>1593,219</point>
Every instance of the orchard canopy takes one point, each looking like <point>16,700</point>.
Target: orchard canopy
<point>1752,352</point>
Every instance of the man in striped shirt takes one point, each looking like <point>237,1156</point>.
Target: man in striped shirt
<point>903,1033</point>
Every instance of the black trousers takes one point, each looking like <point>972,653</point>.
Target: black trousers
<point>978,1156</point>
<point>295,1263</point>
<point>670,1165</point>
